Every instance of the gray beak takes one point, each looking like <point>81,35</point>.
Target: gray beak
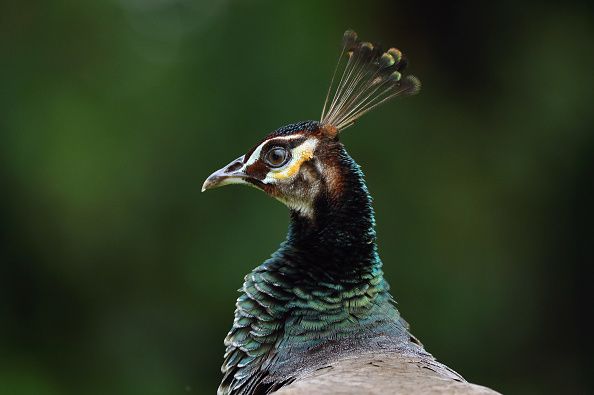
<point>233,173</point>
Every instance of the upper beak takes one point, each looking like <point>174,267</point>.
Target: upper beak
<point>233,173</point>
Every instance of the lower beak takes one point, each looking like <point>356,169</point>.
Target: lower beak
<point>233,173</point>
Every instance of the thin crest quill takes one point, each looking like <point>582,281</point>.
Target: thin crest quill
<point>369,78</point>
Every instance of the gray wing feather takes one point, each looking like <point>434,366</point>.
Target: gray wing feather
<point>383,373</point>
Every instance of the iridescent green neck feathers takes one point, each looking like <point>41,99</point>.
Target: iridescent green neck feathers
<point>323,286</point>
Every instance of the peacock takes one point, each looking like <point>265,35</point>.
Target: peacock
<point>317,317</point>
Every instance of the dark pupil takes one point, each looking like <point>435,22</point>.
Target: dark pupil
<point>277,156</point>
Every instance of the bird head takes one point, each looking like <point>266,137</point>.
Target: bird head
<point>299,163</point>
<point>294,164</point>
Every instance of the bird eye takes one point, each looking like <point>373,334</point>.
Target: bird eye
<point>277,156</point>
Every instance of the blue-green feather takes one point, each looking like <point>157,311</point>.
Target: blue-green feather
<point>324,284</point>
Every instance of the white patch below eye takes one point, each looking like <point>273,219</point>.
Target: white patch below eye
<point>301,207</point>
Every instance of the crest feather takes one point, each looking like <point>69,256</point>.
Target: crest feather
<point>370,76</point>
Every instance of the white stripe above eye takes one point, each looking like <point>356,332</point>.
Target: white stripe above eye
<point>256,154</point>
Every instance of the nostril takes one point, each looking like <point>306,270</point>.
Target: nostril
<point>233,167</point>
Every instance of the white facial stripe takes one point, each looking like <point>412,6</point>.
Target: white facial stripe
<point>256,154</point>
<point>299,154</point>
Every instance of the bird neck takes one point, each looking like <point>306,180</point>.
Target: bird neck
<point>330,267</point>
<point>322,293</point>
<point>340,236</point>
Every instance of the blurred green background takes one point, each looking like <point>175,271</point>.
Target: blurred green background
<point>118,276</point>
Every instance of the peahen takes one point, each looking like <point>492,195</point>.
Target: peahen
<point>318,317</point>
